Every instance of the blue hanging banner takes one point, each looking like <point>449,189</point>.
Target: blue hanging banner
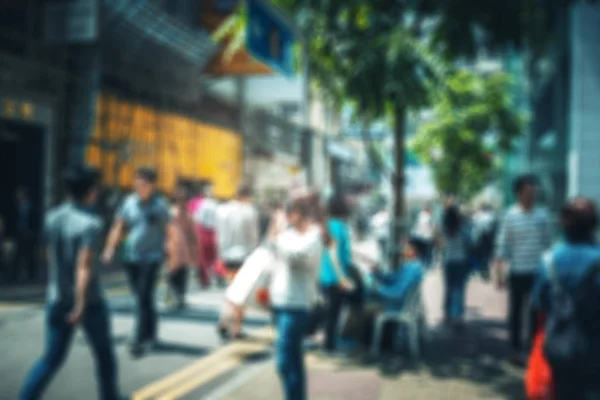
<point>269,38</point>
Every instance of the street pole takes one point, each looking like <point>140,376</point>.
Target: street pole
<point>398,225</point>
<point>307,113</point>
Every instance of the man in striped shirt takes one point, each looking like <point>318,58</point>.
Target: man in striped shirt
<point>525,233</point>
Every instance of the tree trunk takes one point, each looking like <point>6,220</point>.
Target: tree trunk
<point>398,228</point>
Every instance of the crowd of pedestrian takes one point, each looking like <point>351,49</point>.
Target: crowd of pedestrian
<point>318,271</point>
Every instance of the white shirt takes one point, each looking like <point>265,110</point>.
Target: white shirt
<point>366,254</point>
<point>522,239</point>
<point>380,224</point>
<point>237,227</point>
<point>206,214</point>
<point>294,277</point>
<point>424,227</point>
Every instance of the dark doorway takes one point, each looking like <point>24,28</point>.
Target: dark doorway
<point>21,163</point>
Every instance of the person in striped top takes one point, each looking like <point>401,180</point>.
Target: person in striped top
<point>524,235</point>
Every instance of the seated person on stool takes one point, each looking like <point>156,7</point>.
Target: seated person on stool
<point>387,291</point>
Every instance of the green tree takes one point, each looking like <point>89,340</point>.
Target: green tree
<point>385,56</point>
<point>474,119</point>
<point>370,54</point>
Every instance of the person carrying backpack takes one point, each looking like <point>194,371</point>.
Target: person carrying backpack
<point>566,299</point>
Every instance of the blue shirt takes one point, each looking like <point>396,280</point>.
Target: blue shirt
<point>393,287</point>
<point>146,223</point>
<point>340,233</point>
<point>68,229</point>
<point>571,263</point>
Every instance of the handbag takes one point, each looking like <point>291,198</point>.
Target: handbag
<point>538,377</point>
<point>253,276</point>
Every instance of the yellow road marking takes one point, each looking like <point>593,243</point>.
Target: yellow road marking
<point>200,379</point>
<point>200,372</point>
<point>180,375</point>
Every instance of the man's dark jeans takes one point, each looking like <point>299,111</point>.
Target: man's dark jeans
<point>291,328</point>
<point>456,276</point>
<point>59,336</point>
<point>334,298</point>
<point>143,279</point>
<point>520,287</point>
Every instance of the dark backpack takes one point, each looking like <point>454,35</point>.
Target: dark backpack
<point>573,324</point>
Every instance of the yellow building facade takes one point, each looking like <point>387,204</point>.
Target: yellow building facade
<point>128,135</point>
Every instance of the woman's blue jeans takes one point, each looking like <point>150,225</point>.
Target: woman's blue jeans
<point>456,274</point>
<point>59,336</point>
<point>291,328</point>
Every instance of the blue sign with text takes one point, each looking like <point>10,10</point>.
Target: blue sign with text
<point>268,38</point>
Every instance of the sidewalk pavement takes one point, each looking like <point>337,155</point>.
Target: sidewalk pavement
<point>471,365</point>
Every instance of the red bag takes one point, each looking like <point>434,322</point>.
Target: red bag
<point>262,297</point>
<point>538,377</point>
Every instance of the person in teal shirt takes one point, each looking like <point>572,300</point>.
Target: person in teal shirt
<point>335,267</point>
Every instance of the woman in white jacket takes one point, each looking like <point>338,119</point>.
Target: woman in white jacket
<point>293,291</point>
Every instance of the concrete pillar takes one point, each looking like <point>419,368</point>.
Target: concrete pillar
<point>85,73</point>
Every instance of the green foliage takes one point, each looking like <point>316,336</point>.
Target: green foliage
<point>474,118</point>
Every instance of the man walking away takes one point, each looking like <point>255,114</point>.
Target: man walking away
<point>74,294</point>
<point>145,215</point>
<point>524,235</point>
<point>237,236</point>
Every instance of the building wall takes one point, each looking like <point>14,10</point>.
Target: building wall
<point>584,153</point>
<point>128,135</point>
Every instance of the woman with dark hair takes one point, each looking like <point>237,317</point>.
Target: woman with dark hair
<point>566,300</point>
<point>298,246</point>
<point>455,239</point>
<point>336,263</point>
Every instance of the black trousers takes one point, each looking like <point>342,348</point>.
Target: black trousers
<point>143,279</point>
<point>520,288</point>
<point>178,282</point>
<point>334,298</point>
